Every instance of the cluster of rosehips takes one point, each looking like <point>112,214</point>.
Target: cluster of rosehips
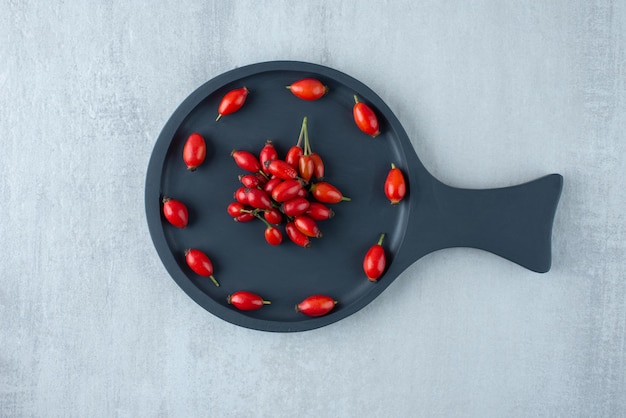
<point>278,190</point>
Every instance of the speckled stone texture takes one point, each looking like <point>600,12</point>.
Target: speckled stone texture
<point>491,94</point>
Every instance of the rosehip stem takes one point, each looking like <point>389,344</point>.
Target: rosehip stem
<point>214,280</point>
<point>302,129</point>
<point>356,99</point>
<point>307,144</point>
<point>269,225</point>
<point>266,302</point>
<point>254,212</point>
<point>380,240</point>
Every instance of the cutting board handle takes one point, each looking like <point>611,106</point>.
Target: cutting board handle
<point>513,222</point>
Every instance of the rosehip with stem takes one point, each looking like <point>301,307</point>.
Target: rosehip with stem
<point>327,193</point>
<point>273,236</point>
<point>306,165</point>
<point>194,151</point>
<point>200,263</point>
<point>395,185</point>
<point>232,102</point>
<point>308,89</point>
<point>316,305</point>
<point>247,301</point>
<point>175,212</point>
<point>365,118</point>
<point>375,261</point>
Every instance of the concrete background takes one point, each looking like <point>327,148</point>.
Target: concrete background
<point>491,93</point>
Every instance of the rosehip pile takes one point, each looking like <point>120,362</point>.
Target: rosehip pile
<point>277,191</point>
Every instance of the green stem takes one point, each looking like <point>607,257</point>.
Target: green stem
<point>302,129</point>
<point>380,240</point>
<point>307,144</point>
<point>356,99</point>
<point>345,199</point>
<point>255,212</point>
<point>264,220</point>
<point>266,302</point>
<point>393,166</point>
<point>214,280</point>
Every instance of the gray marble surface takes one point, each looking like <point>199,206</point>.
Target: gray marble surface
<point>491,94</point>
